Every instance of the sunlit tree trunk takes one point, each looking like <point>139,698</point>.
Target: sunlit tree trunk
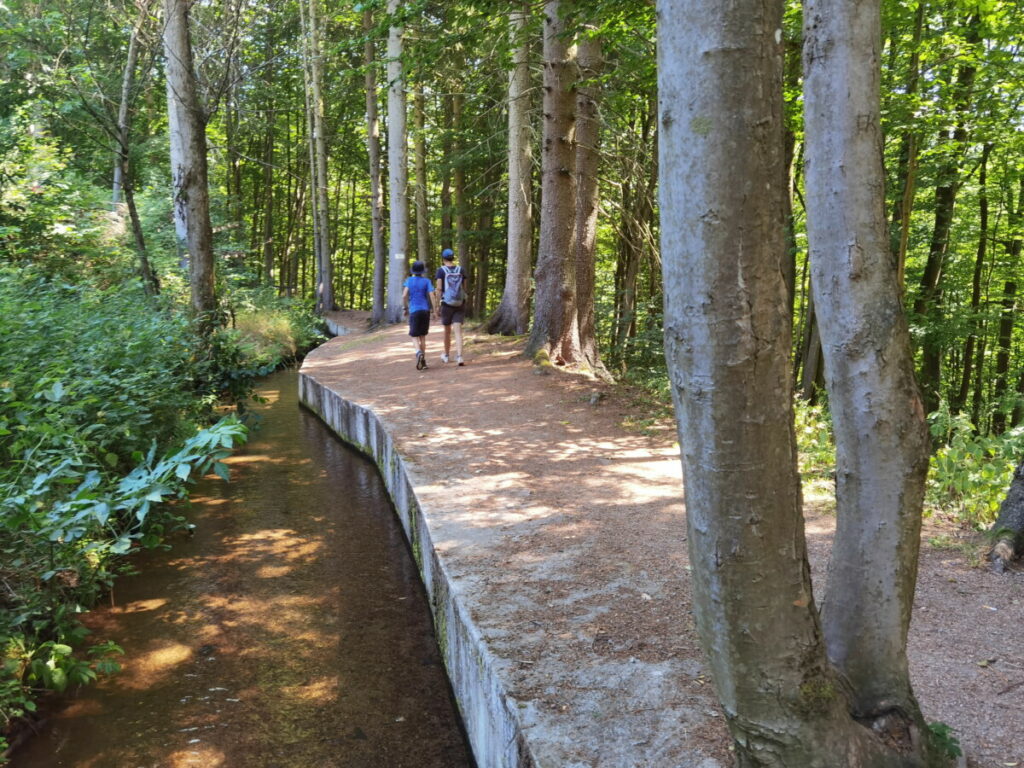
<point>878,418</point>
<point>188,159</point>
<point>376,190</point>
<point>513,313</point>
<point>555,327</point>
<point>727,336</point>
<point>398,171</point>
<point>588,133</point>
<point>322,237</point>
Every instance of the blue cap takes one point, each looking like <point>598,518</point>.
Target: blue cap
<point>448,254</point>
<point>418,267</point>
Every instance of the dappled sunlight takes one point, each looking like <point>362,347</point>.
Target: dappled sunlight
<point>321,691</point>
<point>197,756</point>
<point>147,668</point>
<point>138,606</point>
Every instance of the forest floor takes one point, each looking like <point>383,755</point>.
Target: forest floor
<point>562,508</point>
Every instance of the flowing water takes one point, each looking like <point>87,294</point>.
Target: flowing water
<point>291,630</point>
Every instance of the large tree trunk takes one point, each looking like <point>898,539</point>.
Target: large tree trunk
<point>513,313</point>
<point>398,170</point>
<point>727,336</point>
<point>588,133</point>
<point>879,422</point>
<point>376,191</point>
<point>1009,526</point>
<point>188,160</point>
<point>555,329</point>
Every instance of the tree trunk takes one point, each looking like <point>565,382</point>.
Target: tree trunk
<point>376,191</point>
<point>555,328</point>
<point>123,113</point>
<point>1001,385</point>
<point>420,145</point>
<point>188,165</point>
<point>398,171</point>
<point>959,400</point>
<point>1009,526</point>
<point>588,133</point>
<point>906,174</point>
<point>727,336</point>
<point>325,271</point>
<point>929,300</point>
<point>513,313</point>
<point>268,206</point>
<point>879,422</point>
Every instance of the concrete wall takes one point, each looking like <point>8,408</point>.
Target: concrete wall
<point>490,716</point>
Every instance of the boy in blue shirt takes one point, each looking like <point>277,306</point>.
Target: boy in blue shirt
<point>418,299</point>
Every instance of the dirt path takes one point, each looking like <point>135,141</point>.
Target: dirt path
<point>290,631</point>
<point>561,507</point>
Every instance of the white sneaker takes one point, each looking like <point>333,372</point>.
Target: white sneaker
<point>444,357</point>
<point>459,360</point>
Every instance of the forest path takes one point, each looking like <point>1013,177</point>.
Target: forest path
<point>557,504</point>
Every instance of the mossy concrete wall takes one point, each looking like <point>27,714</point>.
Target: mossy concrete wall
<point>490,716</point>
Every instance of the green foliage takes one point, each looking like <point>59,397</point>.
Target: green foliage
<point>815,444</point>
<point>99,401</point>
<point>49,216</point>
<point>970,473</point>
<point>944,740</point>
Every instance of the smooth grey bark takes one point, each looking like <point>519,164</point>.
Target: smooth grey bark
<point>555,325</point>
<point>513,313</point>
<point>325,270</point>
<point>188,159</point>
<point>314,197</point>
<point>878,417</point>
<point>727,339</point>
<point>376,189</point>
<point>588,159</point>
<point>398,170</point>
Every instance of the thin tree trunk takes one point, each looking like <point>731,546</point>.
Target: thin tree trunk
<point>376,191</point>
<point>398,170</point>
<point>420,149</point>
<point>325,271</point>
<point>588,132</point>
<point>123,113</point>
<point>929,301</point>
<point>513,313</point>
<point>150,282</point>
<point>459,190</point>
<point>555,327</point>
<point>906,174</point>
<point>1001,384</point>
<point>189,170</point>
<point>268,207</point>
<point>959,400</point>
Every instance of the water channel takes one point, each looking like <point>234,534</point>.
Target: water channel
<point>291,630</point>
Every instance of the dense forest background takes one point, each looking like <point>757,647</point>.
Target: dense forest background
<point>286,97</point>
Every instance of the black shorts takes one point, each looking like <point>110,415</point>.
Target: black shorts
<point>419,322</point>
<point>450,314</point>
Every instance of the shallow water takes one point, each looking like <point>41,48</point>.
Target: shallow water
<point>290,631</point>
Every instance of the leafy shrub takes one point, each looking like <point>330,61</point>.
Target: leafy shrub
<point>970,473</point>
<point>100,397</point>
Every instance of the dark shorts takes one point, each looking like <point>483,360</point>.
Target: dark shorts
<point>451,314</point>
<point>419,322</point>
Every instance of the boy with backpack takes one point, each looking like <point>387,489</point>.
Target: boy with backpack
<point>451,286</point>
<point>418,299</point>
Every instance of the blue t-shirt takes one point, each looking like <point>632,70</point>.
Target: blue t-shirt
<point>420,289</point>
